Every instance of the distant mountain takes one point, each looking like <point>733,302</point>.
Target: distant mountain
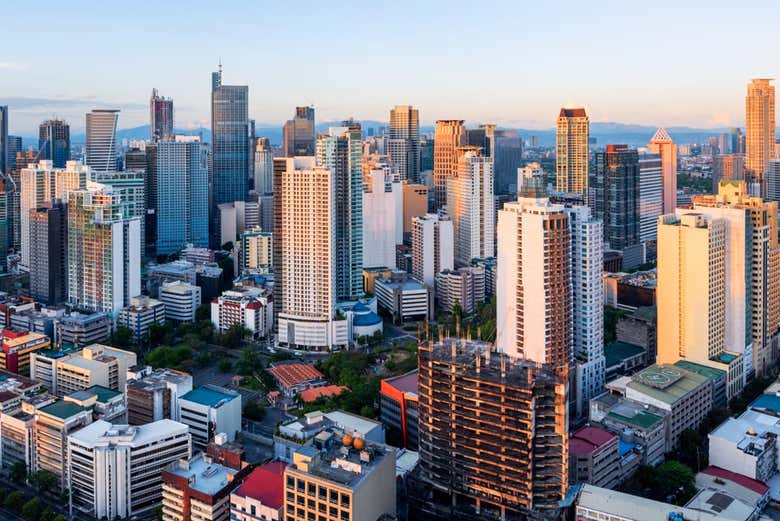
<point>142,132</point>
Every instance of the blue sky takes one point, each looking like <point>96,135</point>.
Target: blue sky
<point>516,62</point>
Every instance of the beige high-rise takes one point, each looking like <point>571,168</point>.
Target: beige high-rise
<point>759,128</point>
<point>571,151</point>
<point>449,135</point>
<point>662,144</point>
<point>403,144</point>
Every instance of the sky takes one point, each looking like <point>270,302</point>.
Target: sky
<point>515,63</point>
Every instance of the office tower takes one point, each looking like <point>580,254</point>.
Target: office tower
<point>426,154</point>
<point>415,204</point>
<point>160,117</point>
<point>470,206</point>
<point>726,168</point>
<point>662,144</point>
<point>383,214</point>
<point>507,158</point>
<point>135,158</point>
<point>483,137</point>
<point>433,247</point>
<point>305,253</point>
<point>210,410</point>
<point>181,194</point>
<point>759,128</point>
<point>752,270</point>
<point>571,151</point>
<point>340,151</point>
<point>264,167</point>
<point>14,147</point>
<point>492,435</point>
<point>737,141</point>
<point>230,146</point>
<point>54,142</point>
<point>42,183</point>
<point>104,263</point>
<point>403,141</point>
<point>651,195</point>
<point>101,139</point>
<point>115,471</point>
<point>298,134</point>
<point>616,192</point>
<point>724,144</point>
<point>4,140</point>
<point>48,252</point>
<point>534,283</point>
<point>773,181</point>
<point>131,187</point>
<point>448,136</point>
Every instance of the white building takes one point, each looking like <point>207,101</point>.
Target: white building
<point>383,212</point>
<point>404,297</point>
<point>115,470</point>
<point>651,195</point>
<point>746,445</point>
<point>235,217</point>
<point>210,410</point>
<point>257,250</point>
<point>251,307</point>
<point>433,247</point>
<point>101,153</point>
<point>181,300</point>
<point>142,312</point>
<point>464,286</point>
<point>471,206</point>
<point>264,167</point>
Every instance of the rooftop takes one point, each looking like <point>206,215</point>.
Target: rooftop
<point>634,414</point>
<point>589,440</point>
<point>210,396</point>
<point>62,409</point>
<point>16,383</point>
<point>666,383</point>
<point>265,484</point>
<point>310,395</point>
<point>103,433</point>
<point>104,394</point>
<point>289,374</point>
<point>711,373</point>
<point>203,474</point>
<point>342,464</point>
<point>749,483</point>
<point>768,403</point>
<point>617,352</point>
<point>647,313</point>
<point>612,502</point>
<point>406,383</point>
<point>159,378</point>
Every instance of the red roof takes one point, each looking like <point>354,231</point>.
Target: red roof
<point>295,373</point>
<point>406,383</point>
<point>572,113</point>
<point>265,484</point>
<point>589,440</point>
<point>309,395</point>
<point>749,483</point>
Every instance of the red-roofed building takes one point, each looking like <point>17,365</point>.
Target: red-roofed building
<point>250,307</point>
<point>296,377</point>
<point>594,457</point>
<point>261,495</point>
<point>398,403</point>
<point>759,487</point>
<point>328,391</point>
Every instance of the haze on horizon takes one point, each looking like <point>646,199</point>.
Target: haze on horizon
<point>512,63</point>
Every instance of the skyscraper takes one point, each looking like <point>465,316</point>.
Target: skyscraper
<point>662,143</point>
<point>104,263</point>
<point>4,140</point>
<point>54,142</point>
<point>616,195</point>
<point>725,168</point>
<point>432,247</point>
<point>571,151</point>
<point>5,229</point>
<point>773,181</point>
<point>181,194</point>
<point>298,133</point>
<point>48,253</point>
<point>160,117</point>
<point>340,150</point>
<point>507,158</point>
<point>759,128</point>
<point>651,195</point>
<point>230,146</point>
<point>14,147</point>
<point>101,139</point>
<point>471,206</point>
<point>131,187</point>
<point>448,136</point>
<point>403,143</point>
<point>264,167</point>
<point>383,213</point>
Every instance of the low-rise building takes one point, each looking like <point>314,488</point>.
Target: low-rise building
<point>14,388</point>
<point>716,376</point>
<point>717,480</point>
<point>398,407</point>
<point>261,495</point>
<point>463,286</point>
<point>370,275</point>
<point>623,359</point>
<point>403,297</point>
<point>746,445</point>
<point>593,457</point>
<point>181,300</point>
<point>142,312</point>
<point>251,308</point>
<point>115,471</point>
<point>17,346</point>
<point>180,270</point>
<point>639,328</point>
<point>153,394</point>
<point>53,424</point>
<point>208,411</point>
<point>74,371</point>
<point>296,377</point>
<point>82,329</point>
<point>105,404</point>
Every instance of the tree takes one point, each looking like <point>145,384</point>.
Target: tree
<point>224,365</point>
<point>692,450</point>
<point>60,517</point>
<point>32,509</point>
<point>203,312</point>
<point>233,336</point>
<point>122,337</point>
<point>160,333</point>
<point>254,411</point>
<point>47,515</point>
<point>13,502</point>
<point>18,472</point>
<point>43,480</point>
<point>677,480</point>
<point>248,363</point>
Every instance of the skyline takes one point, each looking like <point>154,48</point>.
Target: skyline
<point>509,70</point>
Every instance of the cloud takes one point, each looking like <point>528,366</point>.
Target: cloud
<point>25,104</point>
<point>13,66</point>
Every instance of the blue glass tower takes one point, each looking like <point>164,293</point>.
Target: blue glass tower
<point>54,142</point>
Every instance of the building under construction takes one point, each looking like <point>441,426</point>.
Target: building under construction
<point>493,438</point>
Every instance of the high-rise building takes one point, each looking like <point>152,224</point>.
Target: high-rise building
<point>42,183</point>
<point>773,181</point>
<point>403,142</point>
<point>264,167</point>
<point>298,134</point>
<point>383,213</point>
<point>48,252</point>
<point>229,148</point>
<point>104,262</point>
<point>616,195</point>
<point>651,195</point>
<point>4,140</point>
<point>101,139</point>
<point>737,141</point>
<point>662,144</point>
<point>181,195</point>
<point>340,151</point>
<point>160,117</point>
<point>305,254</point>
<point>471,207</point>
<point>571,151</point>
<point>53,424</point>
<point>725,168</point>
<point>534,283</point>
<point>6,201</point>
<point>256,250</point>
<point>448,136</point>
<point>433,247</point>
<point>492,435</point>
<point>14,147</point>
<point>131,187</point>
<point>759,128</point>
<point>415,204</point>
<point>507,158</point>
<point>54,142</point>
